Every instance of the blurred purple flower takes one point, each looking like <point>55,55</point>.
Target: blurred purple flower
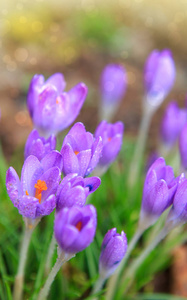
<point>113,250</point>
<point>73,190</point>
<point>173,121</point>
<point>183,146</point>
<point>39,146</point>
<point>159,189</point>
<point>159,76</point>
<point>34,195</point>
<point>113,83</point>
<point>75,228</point>
<point>50,108</point>
<point>113,87</point>
<point>112,138</point>
<point>80,151</point>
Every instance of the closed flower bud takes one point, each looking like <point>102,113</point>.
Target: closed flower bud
<point>159,76</point>
<point>39,146</point>
<point>173,121</point>
<point>75,228</point>
<point>50,108</point>
<point>113,250</point>
<point>159,189</point>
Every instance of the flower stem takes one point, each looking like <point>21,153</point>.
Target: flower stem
<point>49,255</point>
<point>112,283</point>
<point>62,258</point>
<point>19,280</point>
<point>140,145</point>
<point>128,277</point>
<point>98,285</point>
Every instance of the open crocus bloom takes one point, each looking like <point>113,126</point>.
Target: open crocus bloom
<point>80,151</point>
<point>50,108</point>
<point>34,195</point>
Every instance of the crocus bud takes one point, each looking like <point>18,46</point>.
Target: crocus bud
<point>80,151</point>
<point>178,212</point>
<point>113,250</point>
<point>39,146</point>
<point>73,190</point>
<point>173,121</point>
<point>159,189</point>
<point>159,76</point>
<point>113,87</point>
<point>183,147</point>
<point>50,108</point>
<point>112,138</point>
<point>75,228</point>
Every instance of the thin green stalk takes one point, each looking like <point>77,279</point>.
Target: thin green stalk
<point>140,144</point>
<point>49,255</point>
<point>19,280</point>
<point>98,285</point>
<point>128,277</point>
<point>112,283</point>
<point>62,258</point>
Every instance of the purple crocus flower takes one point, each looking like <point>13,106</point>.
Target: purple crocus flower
<point>159,189</point>
<point>112,137</point>
<point>113,250</point>
<point>80,151</point>
<point>113,88</point>
<point>75,228</point>
<point>39,146</point>
<point>73,190</point>
<point>34,195</point>
<point>50,108</point>
<point>173,121</point>
<point>113,83</point>
<point>159,76</point>
<point>183,146</point>
<point>178,212</point>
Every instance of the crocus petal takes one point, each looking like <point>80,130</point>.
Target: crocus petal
<point>111,150</point>
<point>58,81</point>
<point>92,183</point>
<point>52,178</point>
<point>84,160</point>
<point>70,160</point>
<point>33,92</point>
<point>46,207</point>
<point>31,172</point>
<point>96,154</point>
<point>27,206</point>
<point>13,185</point>
<point>54,158</point>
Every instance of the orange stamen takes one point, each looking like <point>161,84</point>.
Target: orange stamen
<point>58,100</point>
<point>79,226</point>
<point>26,192</point>
<point>40,186</point>
<point>76,152</point>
